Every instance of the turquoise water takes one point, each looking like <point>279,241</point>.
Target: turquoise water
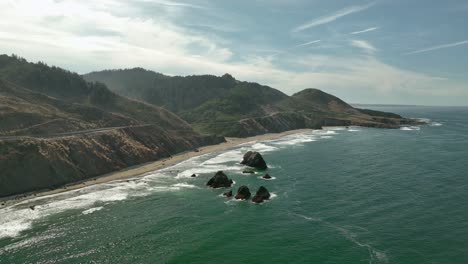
<point>353,195</point>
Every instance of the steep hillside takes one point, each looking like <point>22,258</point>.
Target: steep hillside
<point>71,88</point>
<point>223,105</point>
<point>56,128</point>
<point>30,164</point>
<point>24,112</point>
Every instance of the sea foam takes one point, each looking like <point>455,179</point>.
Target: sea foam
<point>20,217</point>
<point>410,128</point>
<point>92,210</point>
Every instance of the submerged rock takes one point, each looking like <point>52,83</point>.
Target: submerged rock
<point>228,194</point>
<point>267,176</point>
<point>255,160</point>
<point>219,180</point>
<point>193,175</point>
<point>32,207</point>
<point>243,193</point>
<point>248,172</point>
<point>261,195</point>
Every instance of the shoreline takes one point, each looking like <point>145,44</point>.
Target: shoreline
<point>140,170</point>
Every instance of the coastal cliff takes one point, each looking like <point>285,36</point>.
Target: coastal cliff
<point>30,164</point>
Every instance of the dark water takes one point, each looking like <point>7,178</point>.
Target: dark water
<point>340,196</point>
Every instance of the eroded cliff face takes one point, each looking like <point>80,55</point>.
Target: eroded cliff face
<point>40,164</point>
<point>284,121</point>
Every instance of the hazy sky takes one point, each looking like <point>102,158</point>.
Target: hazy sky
<point>384,51</point>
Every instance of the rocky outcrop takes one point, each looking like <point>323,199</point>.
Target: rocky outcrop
<point>255,160</point>
<point>261,195</point>
<point>219,180</point>
<point>243,193</point>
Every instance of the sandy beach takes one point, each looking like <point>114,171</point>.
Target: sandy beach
<point>146,167</point>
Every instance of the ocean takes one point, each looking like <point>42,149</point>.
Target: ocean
<point>339,195</point>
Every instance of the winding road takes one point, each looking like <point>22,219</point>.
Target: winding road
<point>66,134</point>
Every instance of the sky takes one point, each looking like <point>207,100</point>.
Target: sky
<point>377,51</point>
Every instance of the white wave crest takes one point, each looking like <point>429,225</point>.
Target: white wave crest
<point>92,210</point>
<point>295,139</point>
<point>261,147</point>
<point>233,155</point>
<point>423,120</point>
<point>185,185</point>
<point>272,178</point>
<point>325,132</point>
<point>410,128</point>
<point>11,225</point>
<point>338,128</point>
<point>206,169</point>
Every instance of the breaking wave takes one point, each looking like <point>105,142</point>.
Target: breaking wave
<point>92,210</point>
<point>410,128</point>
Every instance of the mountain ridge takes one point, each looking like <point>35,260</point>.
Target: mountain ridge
<point>226,106</point>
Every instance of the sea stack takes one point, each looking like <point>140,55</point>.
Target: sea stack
<point>219,180</point>
<point>243,193</point>
<point>261,195</point>
<point>255,160</point>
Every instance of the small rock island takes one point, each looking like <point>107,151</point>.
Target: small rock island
<point>261,195</point>
<point>255,160</point>
<point>219,180</point>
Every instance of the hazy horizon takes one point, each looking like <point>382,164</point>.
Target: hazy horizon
<point>367,52</point>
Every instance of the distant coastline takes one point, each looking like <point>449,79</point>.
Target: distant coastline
<point>403,105</point>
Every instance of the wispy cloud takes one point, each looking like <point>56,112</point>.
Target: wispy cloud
<point>293,48</point>
<point>164,43</point>
<point>332,17</point>
<point>307,43</point>
<point>364,45</point>
<point>444,46</point>
<point>364,31</point>
<point>175,4</point>
<point>216,27</point>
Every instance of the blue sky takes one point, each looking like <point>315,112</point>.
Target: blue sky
<point>384,51</point>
